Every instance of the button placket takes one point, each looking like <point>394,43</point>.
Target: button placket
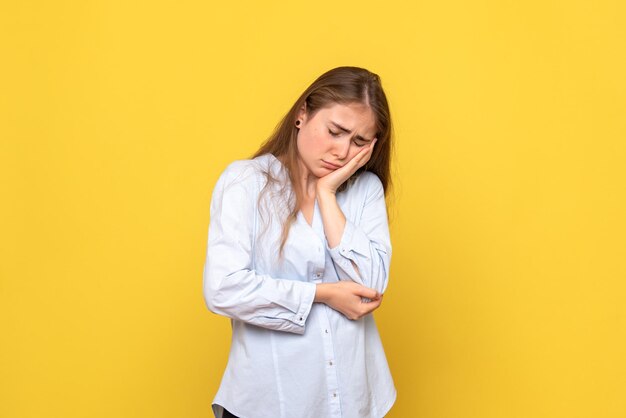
<point>331,372</point>
<point>320,261</point>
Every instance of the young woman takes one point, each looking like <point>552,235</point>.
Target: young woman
<point>298,257</point>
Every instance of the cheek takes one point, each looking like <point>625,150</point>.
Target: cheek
<point>307,146</point>
<point>311,143</point>
<point>354,150</point>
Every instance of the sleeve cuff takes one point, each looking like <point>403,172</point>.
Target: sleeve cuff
<point>308,297</point>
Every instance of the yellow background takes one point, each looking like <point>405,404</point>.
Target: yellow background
<point>507,295</point>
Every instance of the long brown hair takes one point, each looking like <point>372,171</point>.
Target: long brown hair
<point>341,85</point>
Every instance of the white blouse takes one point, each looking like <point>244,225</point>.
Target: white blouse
<point>291,357</point>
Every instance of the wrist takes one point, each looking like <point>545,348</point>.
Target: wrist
<point>322,292</point>
<point>324,192</point>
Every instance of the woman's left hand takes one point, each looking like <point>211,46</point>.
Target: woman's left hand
<point>334,179</point>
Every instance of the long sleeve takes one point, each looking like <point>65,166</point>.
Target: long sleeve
<point>231,285</point>
<point>366,242</point>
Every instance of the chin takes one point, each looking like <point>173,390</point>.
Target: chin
<point>321,172</point>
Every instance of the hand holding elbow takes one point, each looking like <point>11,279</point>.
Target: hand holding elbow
<point>347,297</point>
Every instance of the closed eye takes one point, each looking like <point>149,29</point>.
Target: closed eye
<point>335,134</point>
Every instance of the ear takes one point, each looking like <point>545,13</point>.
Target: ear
<point>302,113</point>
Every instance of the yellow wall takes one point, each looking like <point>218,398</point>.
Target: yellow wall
<point>507,296</point>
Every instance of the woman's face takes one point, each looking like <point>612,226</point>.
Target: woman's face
<point>333,136</point>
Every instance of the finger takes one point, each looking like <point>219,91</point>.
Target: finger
<point>359,160</point>
<point>371,147</point>
<point>367,292</point>
<point>359,157</point>
<point>371,306</point>
<point>353,165</point>
<point>366,154</point>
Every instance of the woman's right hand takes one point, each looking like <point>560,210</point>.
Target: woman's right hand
<point>347,297</point>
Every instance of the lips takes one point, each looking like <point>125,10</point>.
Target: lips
<point>331,165</point>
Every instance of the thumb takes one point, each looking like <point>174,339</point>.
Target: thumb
<point>367,292</point>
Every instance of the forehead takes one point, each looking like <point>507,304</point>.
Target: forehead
<point>357,117</point>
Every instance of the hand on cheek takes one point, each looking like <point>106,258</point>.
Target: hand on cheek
<point>334,179</point>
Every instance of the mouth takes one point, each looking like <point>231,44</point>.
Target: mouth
<point>331,165</point>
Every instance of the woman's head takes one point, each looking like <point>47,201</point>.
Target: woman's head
<point>333,136</point>
<point>351,95</point>
<point>310,132</point>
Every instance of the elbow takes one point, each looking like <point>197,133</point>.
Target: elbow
<point>385,267</point>
<point>383,277</point>
<point>216,302</point>
<point>384,284</point>
<point>213,297</point>
<point>209,298</point>
<point>209,301</point>
<point>225,292</point>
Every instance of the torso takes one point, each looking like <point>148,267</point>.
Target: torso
<point>277,369</point>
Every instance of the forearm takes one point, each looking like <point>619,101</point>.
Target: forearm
<point>322,293</point>
<point>244,295</point>
<point>332,217</point>
<point>347,297</point>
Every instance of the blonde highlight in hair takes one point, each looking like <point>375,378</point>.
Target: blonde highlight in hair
<point>341,85</point>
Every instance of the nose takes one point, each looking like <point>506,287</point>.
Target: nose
<point>341,148</point>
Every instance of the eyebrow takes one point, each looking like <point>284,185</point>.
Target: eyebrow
<point>359,137</point>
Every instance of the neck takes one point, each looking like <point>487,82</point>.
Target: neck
<point>307,180</point>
